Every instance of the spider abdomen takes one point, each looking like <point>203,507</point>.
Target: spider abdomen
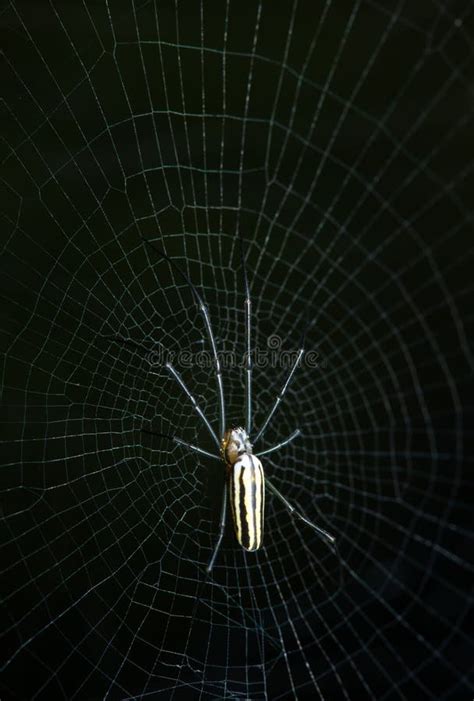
<point>247,498</point>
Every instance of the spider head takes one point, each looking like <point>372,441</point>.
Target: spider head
<point>234,444</point>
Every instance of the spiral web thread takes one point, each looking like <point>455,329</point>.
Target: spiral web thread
<point>334,137</point>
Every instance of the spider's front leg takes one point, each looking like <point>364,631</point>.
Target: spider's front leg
<point>179,441</point>
<point>279,445</point>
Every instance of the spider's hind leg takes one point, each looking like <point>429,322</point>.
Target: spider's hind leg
<point>221,530</point>
<point>298,514</point>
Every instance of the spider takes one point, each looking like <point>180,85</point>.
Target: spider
<point>246,483</point>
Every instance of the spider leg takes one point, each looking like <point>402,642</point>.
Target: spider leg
<point>196,449</point>
<point>248,354</point>
<point>197,409</point>
<point>281,395</point>
<point>279,445</point>
<point>221,530</point>
<point>207,322</point>
<point>179,441</point>
<point>298,514</point>
<point>177,376</point>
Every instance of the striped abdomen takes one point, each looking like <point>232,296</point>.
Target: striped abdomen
<point>247,498</point>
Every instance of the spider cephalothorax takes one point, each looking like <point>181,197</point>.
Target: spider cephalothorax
<point>234,444</point>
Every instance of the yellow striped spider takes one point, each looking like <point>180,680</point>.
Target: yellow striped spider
<point>246,483</point>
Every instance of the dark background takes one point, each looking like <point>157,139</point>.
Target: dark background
<point>336,138</point>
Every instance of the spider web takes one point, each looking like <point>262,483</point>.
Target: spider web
<point>334,137</point>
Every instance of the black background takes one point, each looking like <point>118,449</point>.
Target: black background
<point>347,166</point>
